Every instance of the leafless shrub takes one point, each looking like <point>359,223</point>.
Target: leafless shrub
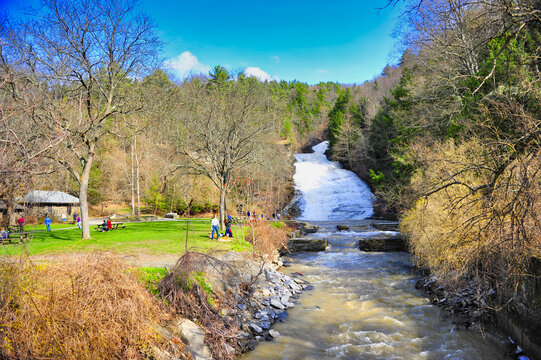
<point>79,307</point>
<point>471,227</point>
<point>188,293</point>
<point>269,238</point>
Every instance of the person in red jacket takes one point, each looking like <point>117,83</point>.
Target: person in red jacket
<point>109,224</point>
<point>21,223</point>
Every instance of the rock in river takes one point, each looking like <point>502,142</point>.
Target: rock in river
<point>384,242</point>
<point>306,244</point>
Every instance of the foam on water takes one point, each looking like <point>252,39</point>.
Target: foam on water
<point>329,192</point>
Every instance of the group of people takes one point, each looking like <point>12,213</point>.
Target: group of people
<point>107,225</point>
<point>253,215</point>
<point>215,225</point>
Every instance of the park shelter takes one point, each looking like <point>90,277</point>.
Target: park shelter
<point>54,203</point>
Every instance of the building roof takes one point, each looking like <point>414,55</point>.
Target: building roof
<point>49,197</point>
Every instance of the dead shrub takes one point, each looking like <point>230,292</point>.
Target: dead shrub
<point>269,237</point>
<point>77,307</point>
<point>188,292</point>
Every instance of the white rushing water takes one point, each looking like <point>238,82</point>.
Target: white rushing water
<point>364,305</point>
<point>327,191</point>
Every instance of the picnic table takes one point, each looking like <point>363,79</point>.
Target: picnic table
<point>115,226</point>
<point>14,236</point>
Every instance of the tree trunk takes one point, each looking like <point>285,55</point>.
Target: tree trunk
<point>132,182</point>
<point>83,193</point>
<point>222,206</point>
<point>10,211</point>
<point>138,190</point>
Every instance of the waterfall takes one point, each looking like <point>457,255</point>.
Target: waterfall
<point>327,191</point>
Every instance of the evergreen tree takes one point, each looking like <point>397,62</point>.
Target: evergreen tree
<point>336,116</point>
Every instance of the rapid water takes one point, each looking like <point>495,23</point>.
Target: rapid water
<point>329,192</point>
<point>363,305</point>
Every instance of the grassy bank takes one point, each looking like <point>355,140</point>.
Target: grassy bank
<point>158,237</point>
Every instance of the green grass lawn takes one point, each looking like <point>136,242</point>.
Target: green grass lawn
<point>158,237</point>
<point>41,227</point>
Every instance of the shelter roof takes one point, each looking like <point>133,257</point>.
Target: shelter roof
<point>49,197</point>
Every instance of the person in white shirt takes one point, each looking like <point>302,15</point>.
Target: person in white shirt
<point>215,227</point>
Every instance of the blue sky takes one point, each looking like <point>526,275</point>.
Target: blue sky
<point>348,41</point>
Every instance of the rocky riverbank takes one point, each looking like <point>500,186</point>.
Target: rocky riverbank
<point>250,295</point>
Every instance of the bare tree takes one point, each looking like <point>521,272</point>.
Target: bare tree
<point>82,54</point>
<point>221,127</point>
<point>22,146</point>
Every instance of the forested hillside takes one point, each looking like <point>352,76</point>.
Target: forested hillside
<point>88,109</point>
<point>454,148</point>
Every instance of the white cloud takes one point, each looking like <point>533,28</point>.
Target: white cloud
<point>275,58</point>
<point>257,73</point>
<point>186,64</point>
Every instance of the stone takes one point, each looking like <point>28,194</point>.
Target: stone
<point>275,302</point>
<point>310,229</point>
<point>290,304</point>
<point>244,335</point>
<point>342,227</point>
<point>306,244</point>
<point>274,333</point>
<point>284,299</point>
<point>293,285</point>
<point>241,306</point>
<point>195,337</point>
<point>383,242</point>
<point>265,325</point>
<point>256,328</point>
<point>385,225</point>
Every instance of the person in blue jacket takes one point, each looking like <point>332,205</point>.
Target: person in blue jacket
<point>48,222</point>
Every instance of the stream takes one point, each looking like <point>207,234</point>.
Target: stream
<point>363,305</point>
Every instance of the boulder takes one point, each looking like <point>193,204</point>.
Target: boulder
<point>195,337</point>
<point>306,244</point>
<point>386,225</point>
<point>310,229</point>
<point>384,242</point>
<point>342,227</point>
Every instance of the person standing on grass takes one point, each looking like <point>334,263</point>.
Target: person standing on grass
<point>64,218</point>
<point>215,223</point>
<point>109,224</point>
<point>79,222</point>
<point>47,222</point>
<point>21,223</point>
<point>227,224</point>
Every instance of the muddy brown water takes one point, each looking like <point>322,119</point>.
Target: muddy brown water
<point>365,306</point>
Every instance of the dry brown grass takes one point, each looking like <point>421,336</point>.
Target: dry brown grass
<point>77,307</point>
<point>268,238</point>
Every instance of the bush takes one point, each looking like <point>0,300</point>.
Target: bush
<point>77,307</point>
<point>269,237</point>
<point>472,227</point>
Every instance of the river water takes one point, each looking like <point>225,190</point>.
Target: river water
<point>363,305</point>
